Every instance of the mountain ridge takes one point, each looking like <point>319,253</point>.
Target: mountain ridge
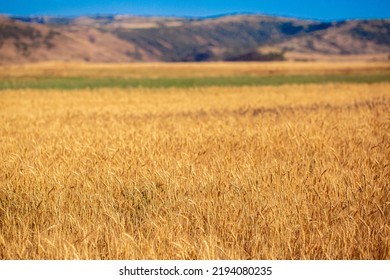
<point>125,38</point>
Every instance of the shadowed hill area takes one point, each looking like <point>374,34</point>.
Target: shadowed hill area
<point>233,38</point>
<point>351,37</point>
<point>213,39</point>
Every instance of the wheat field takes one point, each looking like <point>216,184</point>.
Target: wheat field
<point>57,69</point>
<point>252,172</point>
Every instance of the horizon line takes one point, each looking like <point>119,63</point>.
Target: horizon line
<point>192,17</point>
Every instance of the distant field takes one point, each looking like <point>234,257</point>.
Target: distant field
<point>209,168</point>
<point>191,70</point>
<point>185,82</point>
<point>181,75</point>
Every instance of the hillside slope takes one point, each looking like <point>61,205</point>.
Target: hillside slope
<point>351,37</point>
<point>21,42</point>
<point>215,38</point>
<point>124,38</point>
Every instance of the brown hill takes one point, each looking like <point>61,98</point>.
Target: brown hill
<point>123,38</point>
<point>22,42</point>
<point>217,38</point>
<point>351,37</point>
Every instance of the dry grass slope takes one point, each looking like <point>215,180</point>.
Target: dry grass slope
<point>289,172</point>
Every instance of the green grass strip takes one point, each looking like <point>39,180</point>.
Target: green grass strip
<point>68,83</point>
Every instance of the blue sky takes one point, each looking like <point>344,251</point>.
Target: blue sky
<point>324,10</point>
